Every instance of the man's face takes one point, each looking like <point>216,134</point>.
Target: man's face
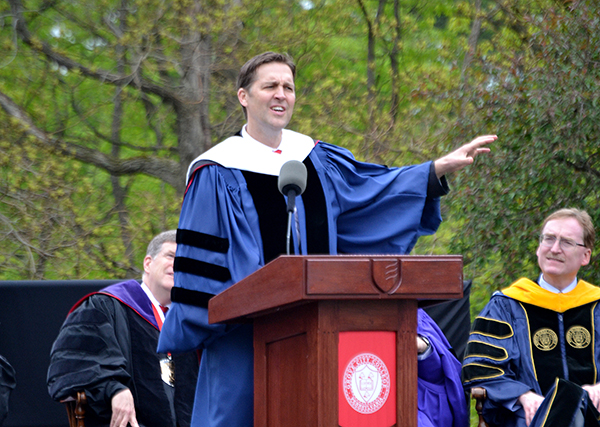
<point>560,266</point>
<point>270,100</point>
<point>159,272</point>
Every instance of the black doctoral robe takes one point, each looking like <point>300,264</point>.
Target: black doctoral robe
<point>108,343</point>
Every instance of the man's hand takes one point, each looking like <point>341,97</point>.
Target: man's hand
<point>594,392</point>
<point>422,345</point>
<point>463,156</point>
<point>123,410</point>
<point>531,402</point>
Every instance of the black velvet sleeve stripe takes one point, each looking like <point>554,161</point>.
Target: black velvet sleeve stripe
<point>202,240</point>
<point>201,268</point>
<point>474,371</point>
<point>482,349</point>
<point>188,296</point>
<point>492,328</point>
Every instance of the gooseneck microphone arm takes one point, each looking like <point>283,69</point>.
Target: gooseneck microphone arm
<point>291,183</point>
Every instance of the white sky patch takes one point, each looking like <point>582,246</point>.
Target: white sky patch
<point>307,4</point>
<point>60,68</point>
<point>92,43</point>
<point>61,32</point>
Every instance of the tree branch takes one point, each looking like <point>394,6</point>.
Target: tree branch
<point>473,39</point>
<point>70,64</point>
<point>163,169</point>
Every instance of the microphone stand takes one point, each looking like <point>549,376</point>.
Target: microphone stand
<point>289,232</point>
<point>291,202</point>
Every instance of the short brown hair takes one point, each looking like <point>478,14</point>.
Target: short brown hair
<point>247,74</point>
<point>582,217</point>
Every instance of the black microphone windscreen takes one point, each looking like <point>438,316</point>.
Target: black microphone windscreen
<point>292,173</point>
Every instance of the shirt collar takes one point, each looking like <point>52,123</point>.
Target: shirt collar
<point>547,286</point>
<point>262,146</point>
<point>153,300</point>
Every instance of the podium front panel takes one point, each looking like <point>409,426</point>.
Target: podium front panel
<point>297,361</point>
<point>285,385</point>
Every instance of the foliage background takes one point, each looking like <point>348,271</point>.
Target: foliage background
<point>104,104</point>
<point>107,104</point>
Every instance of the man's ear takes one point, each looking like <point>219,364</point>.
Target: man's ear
<point>587,257</point>
<point>242,96</point>
<point>147,261</point>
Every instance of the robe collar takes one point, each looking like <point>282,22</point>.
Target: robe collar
<point>527,291</point>
<point>246,153</point>
<point>132,295</point>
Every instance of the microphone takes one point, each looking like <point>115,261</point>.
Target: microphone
<point>291,183</point>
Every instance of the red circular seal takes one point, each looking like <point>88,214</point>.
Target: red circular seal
<point>366,383</point>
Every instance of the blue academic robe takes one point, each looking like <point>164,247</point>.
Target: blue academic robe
<point>366,209</point>
<point>520,342</point>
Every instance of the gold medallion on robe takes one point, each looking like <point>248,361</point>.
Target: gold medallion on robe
<point>545,339</point>
<point>578,337</point>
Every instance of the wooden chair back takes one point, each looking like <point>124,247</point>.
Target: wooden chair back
<point>479,395</point>
<point>76,409</point>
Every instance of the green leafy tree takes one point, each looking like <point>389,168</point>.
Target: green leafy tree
<point>110,102</point>
<point>131,90</point>
<point>537,85</point>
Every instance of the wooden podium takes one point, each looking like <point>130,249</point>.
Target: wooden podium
<point>334,336</point>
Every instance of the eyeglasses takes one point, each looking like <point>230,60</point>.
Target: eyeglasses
<point>548,241</point>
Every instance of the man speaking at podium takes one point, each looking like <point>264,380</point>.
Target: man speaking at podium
<point>233,222</point>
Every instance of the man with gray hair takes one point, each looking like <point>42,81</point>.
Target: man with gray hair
<point>535,347</point>
<point>107,348</point>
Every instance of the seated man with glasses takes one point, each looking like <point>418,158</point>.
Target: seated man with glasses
<point>535,347</point>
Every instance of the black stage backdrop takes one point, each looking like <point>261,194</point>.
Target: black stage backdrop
<point>454,318</point>
<point>31,313</point>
